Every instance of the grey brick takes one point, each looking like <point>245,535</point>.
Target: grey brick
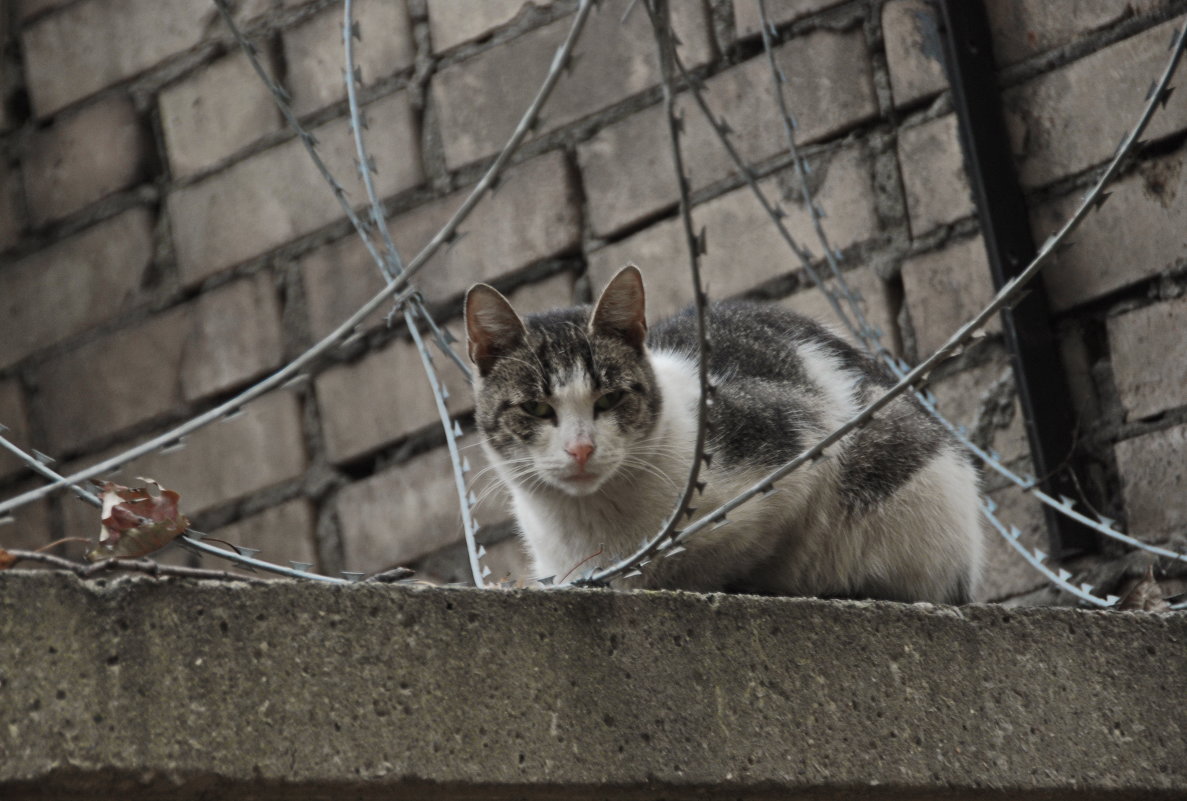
<point>27,8</point>
<point>52,294</point>
<point>1066,120</point>
<point>934,178</point>
<point>944,289</point>
<point>14,416</point>
<point>84,157</point>
<point>215,112</point>
<point>314,51</point>
<point>1134,236</point>
<point>1148,349</point>
<point>1154,484</point>
<point>736,224</point>
<point>1024,28</point>
<point>222,339</point>
<point>278,195</point>
<point>455,22</point>
<point>914,51</point>
<point>534,215</point>
<point>400,514</point>
<point>1005,573</point>
<point>223,462</point>
<point>31,528</point>
<point>480,100</point>
<point>965,400</point>
<point>383,397</point>
<point>627,167</point>
<point>12,206</point>
<point>748,20</point>
<point>283,533</point>
<point>92,44</point>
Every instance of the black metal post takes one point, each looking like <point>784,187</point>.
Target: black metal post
<point>1005,226</point>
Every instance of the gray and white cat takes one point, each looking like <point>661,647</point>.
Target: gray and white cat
<point>590,420</point>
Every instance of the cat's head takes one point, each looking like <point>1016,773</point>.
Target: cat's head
<point>565,398</point>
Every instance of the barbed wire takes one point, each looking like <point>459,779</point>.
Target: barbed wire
<point>1157,95</point>
<point>292,371</point>
<point>908,377</point>
<point>664,540</point>
<point>668,541</point>
<point>390,268</point>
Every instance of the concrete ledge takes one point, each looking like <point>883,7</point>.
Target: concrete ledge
<point>166,689</point>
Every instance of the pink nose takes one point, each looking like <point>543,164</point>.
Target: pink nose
<point>580,450</point>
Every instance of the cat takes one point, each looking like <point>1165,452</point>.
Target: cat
<point>589,419</point>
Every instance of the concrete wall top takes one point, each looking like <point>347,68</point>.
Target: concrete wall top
<point>142,688</point>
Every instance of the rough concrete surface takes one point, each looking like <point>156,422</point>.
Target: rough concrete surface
<point>138,688</point>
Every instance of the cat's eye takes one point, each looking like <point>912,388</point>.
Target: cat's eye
<point>537,409</point>
<point>609,400</point>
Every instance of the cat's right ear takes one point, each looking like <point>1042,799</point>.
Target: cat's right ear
<point>492,326</point>
<point>621,309</point>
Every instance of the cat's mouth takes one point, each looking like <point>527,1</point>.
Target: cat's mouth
<point>580,478</point>
<point>583,483</point>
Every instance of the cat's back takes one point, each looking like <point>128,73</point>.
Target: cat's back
<point>757,340</point>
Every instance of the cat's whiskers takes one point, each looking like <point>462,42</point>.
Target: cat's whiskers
<point>636,464</point>
<point>496,465</point>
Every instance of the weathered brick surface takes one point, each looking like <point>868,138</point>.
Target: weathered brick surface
<point>278,195</point>
<point>219,340</point>
<point>455,22</point>
<point>400,514</point>
<point>314,51</point>
<point>982,400</point>
<point>225,461</point>
<point>30,528</point>
<point>874,302</point>
<point>914,50</point>
<point>89,45</point>
<point>82,280</point>
<point>934,178</point>
<point>481,99</point>
<point>283,533</point>
<point>944,289</point>
<point>14,416</point>
<point>1005,573</point>
<point>534,215</point>
<point>1149,355</point>
<point>1154,478</point>
<point>381,398</point>
<point>744,247</point>
<point>8,80</point>
<point>385,395</point>
<point>1071,118</point>
<point>27,8</point>
<point>748,19</point>
<point>215,113</point>
<point>627,167</point>
<point>12,206</point>
<point>81,158</point>
<point>1134,236</point>
<point>1023,28</point>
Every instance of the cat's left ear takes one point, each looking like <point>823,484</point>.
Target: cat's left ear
<point>492,326</point>
<point>621,310</point>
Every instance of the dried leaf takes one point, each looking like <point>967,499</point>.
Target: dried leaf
<point>7,560</point>
<point>137,520</point>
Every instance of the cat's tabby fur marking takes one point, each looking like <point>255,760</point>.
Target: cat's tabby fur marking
<point>590,419</point>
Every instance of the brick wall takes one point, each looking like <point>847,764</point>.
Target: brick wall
<point>164,240</point>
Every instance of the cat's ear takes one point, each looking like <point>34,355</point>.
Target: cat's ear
<point>622,310</point>
<point>492,326</point>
